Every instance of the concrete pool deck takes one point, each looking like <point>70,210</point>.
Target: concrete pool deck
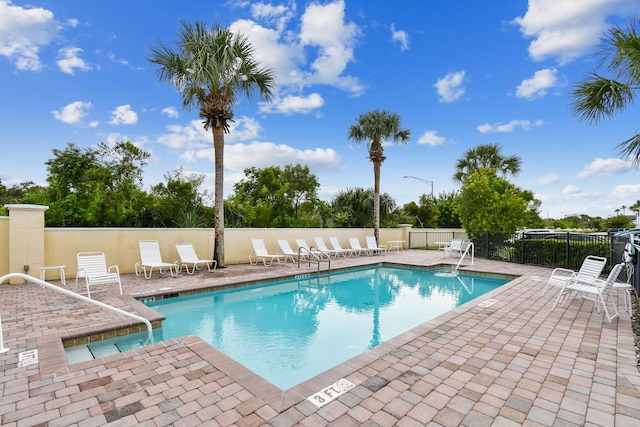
<point>514,362</point>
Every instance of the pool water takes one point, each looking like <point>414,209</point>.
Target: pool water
<point>289,331</point>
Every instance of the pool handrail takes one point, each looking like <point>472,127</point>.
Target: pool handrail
<point>47,285</point>
<point>469,246</point>
<point>315,255</point>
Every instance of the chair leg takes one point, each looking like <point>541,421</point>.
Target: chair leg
<point>606,312</point>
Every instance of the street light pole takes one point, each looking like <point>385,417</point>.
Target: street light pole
<point>423,180</point>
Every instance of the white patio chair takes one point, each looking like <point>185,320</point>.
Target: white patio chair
<point>590,270</point>
<point>322,246</point>
<point>373,247</point>
<point>356,248</point>
<point>188,257</point>
<point>595,290</point>
<point>336,245</point>
<point>92,266</point>
<point>287,251</point>
<point>151,258</point>
<point>260,253</point>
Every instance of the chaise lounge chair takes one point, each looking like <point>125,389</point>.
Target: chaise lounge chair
<point>287,251</point>
<point>151,258</point>
<point>356,249</point>
<point>336,245</point>
<point>188,257</point>
<point>322,246</point>
<point>595,290</point>
<point>260,253</point>
<point>373,247</point>
<point>93,267</point>
<point>590,270</point>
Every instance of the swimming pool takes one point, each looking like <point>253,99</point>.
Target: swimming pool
<point>289,331</point>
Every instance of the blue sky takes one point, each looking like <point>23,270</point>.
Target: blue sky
<point>458,73</point>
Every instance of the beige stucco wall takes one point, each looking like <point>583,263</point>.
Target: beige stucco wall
<point>38,246</point>
<point>4,244</point>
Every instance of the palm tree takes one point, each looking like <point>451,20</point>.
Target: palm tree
<point>486,156</point>
<point>211,68</point>
<point>377,127</point>
<point>597,97</point>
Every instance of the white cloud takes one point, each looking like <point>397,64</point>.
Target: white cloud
<point>318,54</point>
<point>23,32</point>
<point>123,115</point>
<point>571,190</point>
<point>72,113</point>
<point>538,85</point>
<point>69,60</point>
<point>548,179</point>
<point>171,112</point>
<point>509,127</point>
<point>609,166</point>
<point>185,137</point>
<point>449,88</point>
<point>264,154</point>
<point>567,29</point>
<point>193,136</point>
<point>432,138</point>
<point>294,104</point>
<point>401,37</point>
<point>278,15</point>
<point>626,192</point>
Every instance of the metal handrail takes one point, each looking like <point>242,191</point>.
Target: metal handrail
<point>314,254</point>
<point>469,246</point>
<point>79,297</point>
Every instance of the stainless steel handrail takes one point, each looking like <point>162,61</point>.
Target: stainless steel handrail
<point>79,297</point>
<point>469,246</point>
<point>314,253</point>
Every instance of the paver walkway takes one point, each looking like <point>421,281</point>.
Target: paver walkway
<point>515,362</point>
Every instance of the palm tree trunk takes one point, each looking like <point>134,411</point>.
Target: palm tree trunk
<point>218,204</point>
<point>376,200</point>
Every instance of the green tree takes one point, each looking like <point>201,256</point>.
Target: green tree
<point>447,215</point>
<point>275,197</point>
<point>89,187</point>
<point>178,202</point>
<point>354,208</point>
<point>425,213</point>
<point>598,96</point>
<point>486,156</point>
<point>212,68</point>
<point>618,221</point>
<point>488,203</point>
<point>377,127</point>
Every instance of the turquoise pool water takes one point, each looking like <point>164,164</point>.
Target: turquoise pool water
<point>290,331</point>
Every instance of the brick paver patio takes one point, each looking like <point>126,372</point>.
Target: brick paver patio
<point>512,363</point>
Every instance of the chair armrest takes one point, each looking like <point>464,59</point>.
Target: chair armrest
<point>114,267</point>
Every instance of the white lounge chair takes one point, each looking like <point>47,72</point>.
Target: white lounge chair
<point>260,253</point>
<point>188,257</point>
<point>322,246</point>
<point>336,245</point>
<point>590,270</point>
<point>305,249</point>
<point>92,266</point>
<point>373,247</point>
<point>151,258</point>
<point>287,251</point>
<point>594,290</point>
<point>356,249</point>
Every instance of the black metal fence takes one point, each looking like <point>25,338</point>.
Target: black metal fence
<point>567,250</point>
